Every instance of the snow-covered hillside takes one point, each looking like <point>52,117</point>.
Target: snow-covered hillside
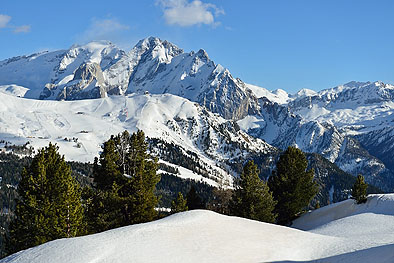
<point>342,232</point>
<point>80,127</point>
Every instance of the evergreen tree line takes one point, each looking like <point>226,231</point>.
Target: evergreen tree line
<point>53,205</point>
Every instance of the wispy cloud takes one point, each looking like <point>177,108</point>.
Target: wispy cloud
<point>185,13</point>
<point>5,23</point>
<point>22,29</point>
<point>4,19</point>
<point>102,29</point>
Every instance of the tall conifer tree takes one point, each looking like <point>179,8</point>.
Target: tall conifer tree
<point>292,185</point>
<point>359,190</point>
<point>194,201</point>
<point>49,205</point>
<point>252,198</point>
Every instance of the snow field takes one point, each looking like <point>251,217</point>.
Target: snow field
<point>80,127</point>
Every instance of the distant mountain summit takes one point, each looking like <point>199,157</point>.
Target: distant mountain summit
<point>98,69</point>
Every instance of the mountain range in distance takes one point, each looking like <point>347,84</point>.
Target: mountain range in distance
<point>78,97</point>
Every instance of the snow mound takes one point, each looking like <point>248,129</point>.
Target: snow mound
<point>194,236</point>
<point>378,204</point>
<point>342,232</point>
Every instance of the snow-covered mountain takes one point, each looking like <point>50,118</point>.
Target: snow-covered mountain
<point>342,232</point>
<point>99,68</point>
<point>351,125</point>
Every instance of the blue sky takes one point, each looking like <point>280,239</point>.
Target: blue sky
<point>275,44</point>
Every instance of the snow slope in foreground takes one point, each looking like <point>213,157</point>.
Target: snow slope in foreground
<point>194,236</point>
<point>341,232</point>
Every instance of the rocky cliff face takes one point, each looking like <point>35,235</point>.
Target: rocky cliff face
<point>88,83</point>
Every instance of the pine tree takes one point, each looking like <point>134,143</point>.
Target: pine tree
<point>49,205</point>
<point>221,200</point>
<point>359,190</point>
<point>125,177</point>
<point>252,198</point>
<point>194,201</point>
<point>108,172</point>
<point>179,204</point>
<point>292,185</point>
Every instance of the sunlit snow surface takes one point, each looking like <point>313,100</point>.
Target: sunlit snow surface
<point>80,127</point>
<point>343,232</point>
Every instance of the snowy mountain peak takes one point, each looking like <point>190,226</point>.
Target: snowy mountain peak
<point>155,48</point>
<point>305,93</point>
<point>100,52</point>
<point>203,55</point>
<point>358,93</point>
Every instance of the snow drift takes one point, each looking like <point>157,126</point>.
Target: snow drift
<point>342,232</point>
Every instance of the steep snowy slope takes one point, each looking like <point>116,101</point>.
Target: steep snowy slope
<point>279,96</point>
<point>80,127</point>
<point>342,232</point>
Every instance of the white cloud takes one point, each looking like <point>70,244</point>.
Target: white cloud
<point>185,13</point>
<point>22,29</point>
<point>102,29</point>
<point>4,23</point>
<point>4,19</point>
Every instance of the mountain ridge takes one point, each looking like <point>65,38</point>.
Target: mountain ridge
<point>333,122</point>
